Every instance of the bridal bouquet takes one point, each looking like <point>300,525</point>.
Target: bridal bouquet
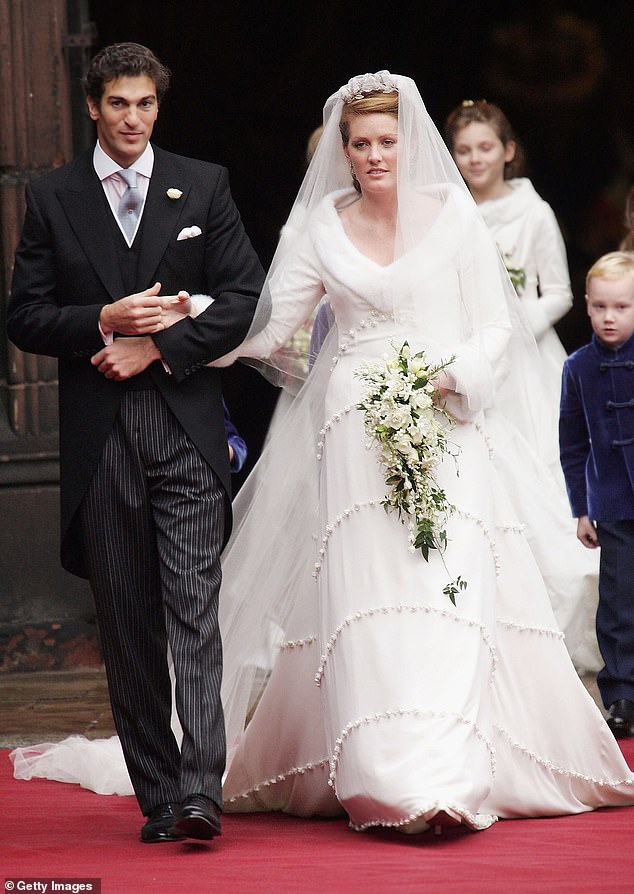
<point>403,418</point>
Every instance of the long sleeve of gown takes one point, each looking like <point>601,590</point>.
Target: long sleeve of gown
<point>480,358</point>
<point>295,290</point>
<point>553,279</point>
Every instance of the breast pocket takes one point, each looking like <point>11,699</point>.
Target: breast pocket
<point>182,265</point>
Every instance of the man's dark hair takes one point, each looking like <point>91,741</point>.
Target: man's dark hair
<point>121,60</point>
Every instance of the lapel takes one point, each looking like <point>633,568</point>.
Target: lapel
<point>160,214</point>
<point>86,208</point>
<point>85,205</point>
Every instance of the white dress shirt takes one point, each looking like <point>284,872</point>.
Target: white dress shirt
<point>114,185</point>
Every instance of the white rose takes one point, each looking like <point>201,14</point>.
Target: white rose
<point>418,366</point>
<point>420,399</point>
<point>399,417</point>
<point>417,433</point>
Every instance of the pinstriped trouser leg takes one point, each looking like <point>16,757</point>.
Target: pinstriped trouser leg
<point>152,523</point>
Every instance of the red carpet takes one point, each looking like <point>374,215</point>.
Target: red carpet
<point>54,830</point>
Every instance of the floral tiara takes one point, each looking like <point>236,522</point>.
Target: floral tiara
<point>361,85</point>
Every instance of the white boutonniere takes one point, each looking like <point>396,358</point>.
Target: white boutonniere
<point>405,420</point>
<point>174,193</point>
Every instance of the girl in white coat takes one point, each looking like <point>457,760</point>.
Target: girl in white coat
<point>491,161</point>
<point>525,228</point>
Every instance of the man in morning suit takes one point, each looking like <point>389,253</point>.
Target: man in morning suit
<point>145,480</point>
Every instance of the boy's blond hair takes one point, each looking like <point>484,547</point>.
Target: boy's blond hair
<point>614,265</point>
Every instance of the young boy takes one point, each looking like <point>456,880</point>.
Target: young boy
<point>596,435</point>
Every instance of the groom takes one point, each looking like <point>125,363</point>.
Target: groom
<point>145,480</point>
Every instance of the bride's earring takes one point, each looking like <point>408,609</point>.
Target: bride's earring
<point>355,181</point>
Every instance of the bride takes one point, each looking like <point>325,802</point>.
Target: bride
<point>406,690</point>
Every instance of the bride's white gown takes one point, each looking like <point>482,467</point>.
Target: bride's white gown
<point>384,699</point>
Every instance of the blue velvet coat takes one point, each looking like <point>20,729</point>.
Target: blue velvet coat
<point>596,430</point>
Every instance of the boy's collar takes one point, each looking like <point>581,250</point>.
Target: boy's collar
<point>609,350</point>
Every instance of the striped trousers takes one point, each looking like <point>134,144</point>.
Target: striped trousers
<point>152,531</point>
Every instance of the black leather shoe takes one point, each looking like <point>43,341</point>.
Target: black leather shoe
<point>621,719</point>
<point>160,825</point>
<point>198,818</point>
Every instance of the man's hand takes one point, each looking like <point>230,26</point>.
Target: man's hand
<point>126,357</point>
<point>138,314</point>
<point>586,532</point>
<point>174,308</point>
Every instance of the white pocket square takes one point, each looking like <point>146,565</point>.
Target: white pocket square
<point>188,233</point>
